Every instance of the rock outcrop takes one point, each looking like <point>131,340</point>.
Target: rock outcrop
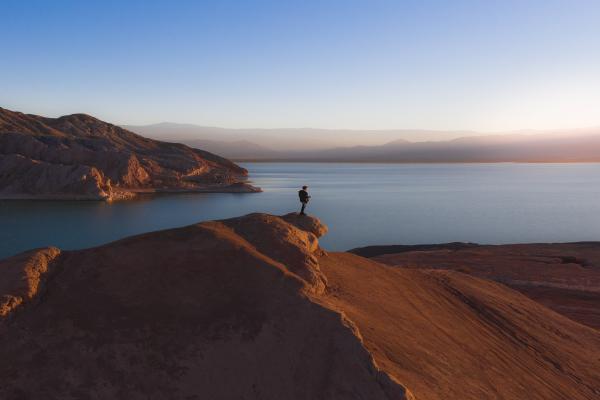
<point>80,157</point>
<point>253,308</point>
<point>210,311</point>
<point>23,276</point>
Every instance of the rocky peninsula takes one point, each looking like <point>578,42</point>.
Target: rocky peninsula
<point>83,158</point>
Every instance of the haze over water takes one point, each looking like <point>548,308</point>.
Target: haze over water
<point>362,204</point>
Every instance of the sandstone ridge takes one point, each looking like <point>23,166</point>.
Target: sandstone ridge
<point>215,310</point>
<point>253,308</point>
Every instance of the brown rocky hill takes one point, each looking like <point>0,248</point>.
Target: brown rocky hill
<point>80,157</point>
<point>253,308</point>
<point>562,276</point>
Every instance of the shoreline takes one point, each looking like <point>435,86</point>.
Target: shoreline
<point>309,161</point>
<point>124,194</point>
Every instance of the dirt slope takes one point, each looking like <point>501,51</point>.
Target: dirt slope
<point>447,335</point>
<point>563,276</point>
<point>252,308</point>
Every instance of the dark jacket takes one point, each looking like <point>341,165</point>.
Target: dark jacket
<point>303,195</point>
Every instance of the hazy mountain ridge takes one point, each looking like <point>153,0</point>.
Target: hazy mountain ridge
<point>288,139</point>
<point>306,144</point>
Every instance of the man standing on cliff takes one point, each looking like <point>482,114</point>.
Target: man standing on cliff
<point>304,197</point>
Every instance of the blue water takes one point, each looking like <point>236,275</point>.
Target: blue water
<point>362,204</point>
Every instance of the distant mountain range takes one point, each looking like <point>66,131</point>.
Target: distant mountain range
<point>289,139</point>
<point>306,144</point>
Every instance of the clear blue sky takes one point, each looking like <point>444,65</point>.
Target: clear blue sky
<point>482,65</point>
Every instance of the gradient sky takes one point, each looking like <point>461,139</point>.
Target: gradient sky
<point>479,65</point>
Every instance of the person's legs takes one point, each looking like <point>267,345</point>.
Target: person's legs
<point>302,210</point>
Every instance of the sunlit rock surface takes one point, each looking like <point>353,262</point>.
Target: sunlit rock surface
<point>80,157</point>
<point>253,308</point>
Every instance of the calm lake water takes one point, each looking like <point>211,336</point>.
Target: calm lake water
<point>362,204</point>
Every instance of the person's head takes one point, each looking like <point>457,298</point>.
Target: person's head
<point>304,187</point>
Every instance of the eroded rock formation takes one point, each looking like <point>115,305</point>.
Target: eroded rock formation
<point>80,157</point>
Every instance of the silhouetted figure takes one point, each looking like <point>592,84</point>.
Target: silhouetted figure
<point>304,197</point>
